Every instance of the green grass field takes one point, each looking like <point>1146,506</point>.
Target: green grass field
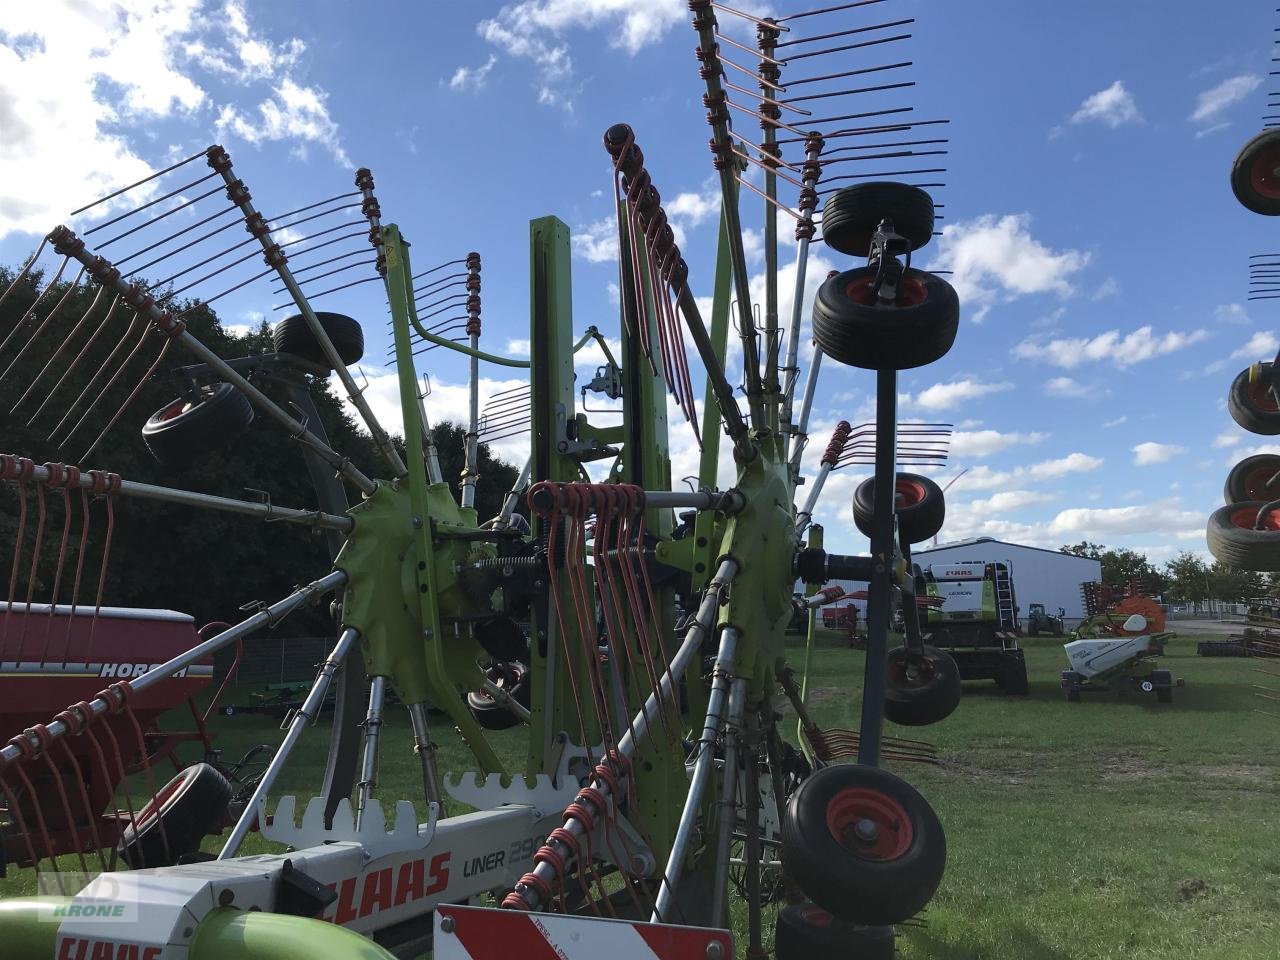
<point>1111,828</point>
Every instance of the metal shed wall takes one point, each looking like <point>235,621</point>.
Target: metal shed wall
<point>1039,576</point>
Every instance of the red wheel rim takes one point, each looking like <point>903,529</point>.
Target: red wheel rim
<point>1264,172</point>
<point>911,292</point>
<point>856,807</point>
<point>1255,483</point>
<point>1247,517</point>
<point>908,493</point>
<point>175,409</point>
<point>1260,395</point>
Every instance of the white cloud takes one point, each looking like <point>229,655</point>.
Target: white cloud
<point>1231,313</point>
<point>1159,516</point>
<point>1066,387</point>
<point>1123,350</point>
<point>983,443</point>
<point>535,29</point>
<point>1262,344</point>
<point>1150,452</point>
<point>995,259</point>
<point>1229,437</point>
<point>1211,103</point>
<point>1109,287</point>
<point>1123,418</point>
<point>1071,463</point>
<point>291,112</point>
<point>597,242</point>
<point>943,396</point>
<point>471,79</point>
<point>1113,107</point>
<point>1235,456</point>
<point>84,75</point>
<point>693,208</point>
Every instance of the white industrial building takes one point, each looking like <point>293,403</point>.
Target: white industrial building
<point>1039,575</point>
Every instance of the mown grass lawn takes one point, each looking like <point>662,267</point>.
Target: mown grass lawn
<point>1112,828</point>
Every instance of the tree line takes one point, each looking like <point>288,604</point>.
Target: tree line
<point>1185,578</point>
<point>205,563</point>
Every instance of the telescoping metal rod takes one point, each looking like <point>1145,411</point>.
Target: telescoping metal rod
<point>372,732</point>
<point>263,618</point>
<point>698,631</point>
<point>221,162</point>
<point>804,233</point>
<point>716,704</point>
<point>471,464</point>
<point>266,511</point>
<point>434,473</point>
<point>728,804</point>
<point>309,710</point>
<point>503,520</point>
<point>801,431</point>
<point>68,244</point>
<point>830,460</point>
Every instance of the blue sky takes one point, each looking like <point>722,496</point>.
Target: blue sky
<point>1099,254</point>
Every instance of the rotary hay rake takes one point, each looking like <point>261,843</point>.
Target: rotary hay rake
<point>655,778</point>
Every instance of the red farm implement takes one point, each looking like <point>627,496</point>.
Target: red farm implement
<point>54,656</point>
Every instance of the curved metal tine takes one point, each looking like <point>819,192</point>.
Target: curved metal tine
<point>26,269</point>
<point>431,346</point>
<point>892,155</point>
<point>66,341</point>
<point>276,226</point>
<point>752,74</point>
<point>435,346</point>
<point>150,203</point>
<point>119,344</point>
<point>852,91</point>
<point>156,219</point>
<point>207,260</point>
<point>311,206</point>
<point>146,179</point>
<point>843,6</point>
<point>777,203</point>
<point>855,73</point>
<point>752,17</point>
<point>881,173</point>
<point>313,296</point>
<point>325,262</point>
<point>785,104</point>
<point>754,51</point>
<point>879,41</point>
<point>447,263</point>
<point>860,131</point>
<point>443,283</point>
<point>330,273</point>
<point>502,393</point>
<point>885,146</point>
<point>209,276</point>
<point>27,314</point>
<point>504,436</point>
<point>204,301</point>
<point>186,246</point>
<point>515,407</point>
<point>146,330</point>
<point>843,33</point>
<point>49,317</point>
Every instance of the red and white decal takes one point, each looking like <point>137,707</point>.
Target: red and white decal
<point>477,933</point>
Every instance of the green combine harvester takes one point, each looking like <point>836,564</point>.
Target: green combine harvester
<point>975,620</point>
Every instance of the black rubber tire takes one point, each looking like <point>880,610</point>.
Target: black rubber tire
<point>180,431</point>
<point>1255,174</point>
<point>907,335</point>
<point>1163,680</point>
<point>850,216</point>
<point>1014,676</point>
<point>930,695</point>
<point>1248,479</point>
<point>1221,648</point>
<point>189,806</point>
<point>293,336</point>
<point>920,506</point>
<point>804,931</point>
<point>871,887</point>
<point>1250,403</point>
<point>514,679</point>
<point>1239,546</point>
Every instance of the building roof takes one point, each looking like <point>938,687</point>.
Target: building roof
<point>1004,543</point>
